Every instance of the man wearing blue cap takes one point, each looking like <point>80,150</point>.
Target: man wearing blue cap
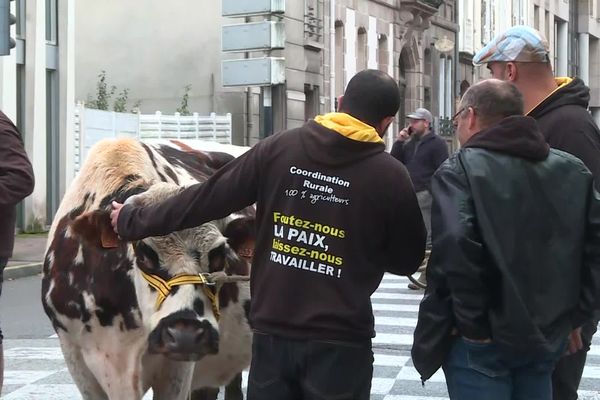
<point>520,55</point>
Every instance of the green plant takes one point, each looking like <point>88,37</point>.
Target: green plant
<point>183,109</point>
<point>120,104</point>
<point>136,107</point>
<point>103,93</point>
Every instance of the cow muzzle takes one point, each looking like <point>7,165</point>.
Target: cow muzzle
<point>181,337</point>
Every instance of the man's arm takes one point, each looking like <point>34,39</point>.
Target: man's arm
<point>407,234</point>
<point>589,301</point>
<point>230,189</point>
<point>16,173</point>
<point>459,251</point>
<point>397,151</point>
<point>440,153</point>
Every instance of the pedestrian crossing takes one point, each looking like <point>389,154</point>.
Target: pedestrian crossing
<point>35,369</point>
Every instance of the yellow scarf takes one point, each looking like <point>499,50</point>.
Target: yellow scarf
<point>348,126</point>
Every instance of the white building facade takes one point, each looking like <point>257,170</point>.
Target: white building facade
<point>572,28</point>
<point>37,93</point>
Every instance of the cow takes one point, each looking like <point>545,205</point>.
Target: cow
<point>167,313</point>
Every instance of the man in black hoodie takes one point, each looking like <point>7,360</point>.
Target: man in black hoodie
<point>521,56</point>
<point>505,287</point>
<point>334,212</point>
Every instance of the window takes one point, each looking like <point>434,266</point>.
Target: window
<point>536,17</point>
<point>383,54</point>
<point>52,21</point>
<point>442,87</point>
<point>313,21</point>
<point>311,102</point>
<point>20,18</point>
<point>361,50</point>
<point>547,26</point>
<point>488,20</point>
<point>427,63</point>
<point>465,9</point>
<point>339,58</point>
<point>448,90</point>
<point>573,48</point>
<point>427,98</point>
<point>519,11</point>
<point>555,64</point>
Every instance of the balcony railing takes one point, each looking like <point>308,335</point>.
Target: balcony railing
<point>432,3</point>
<point>445,127</point>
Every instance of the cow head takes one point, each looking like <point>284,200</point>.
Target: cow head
<point>178,306</point>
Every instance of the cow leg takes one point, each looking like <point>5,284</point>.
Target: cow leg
<point>86,382</point>
<point>233,390</point>
<point>205,394</point>
<point>173,381</point>
<point>117,368</point>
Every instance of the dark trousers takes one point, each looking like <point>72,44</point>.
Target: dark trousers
<point>286,369</point>
<point>568,371</point>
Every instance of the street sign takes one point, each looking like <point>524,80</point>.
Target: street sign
<point>265,35</point>
<point>264,71</point>
<point>239,8</point>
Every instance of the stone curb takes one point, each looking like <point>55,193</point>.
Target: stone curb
<point>22,270</point>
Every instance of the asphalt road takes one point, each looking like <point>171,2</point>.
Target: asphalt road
<point>21,312</point>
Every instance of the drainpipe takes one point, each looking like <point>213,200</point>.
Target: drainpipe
<point>456,67</point>
<point>456,73</point>
<point>332,54</point>
<point>248,104</point>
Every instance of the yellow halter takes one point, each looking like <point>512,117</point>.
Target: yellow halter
<point>164,287</point>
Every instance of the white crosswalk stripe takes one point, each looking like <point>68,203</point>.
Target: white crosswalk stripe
<point>35,369</point>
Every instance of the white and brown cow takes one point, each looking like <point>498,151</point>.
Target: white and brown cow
<point>137,315</point>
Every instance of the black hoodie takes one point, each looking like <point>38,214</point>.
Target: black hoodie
<point>567,125</point>
<point>515,257</point>
<point>333,215</point>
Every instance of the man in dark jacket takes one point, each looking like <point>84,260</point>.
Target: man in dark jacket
<point>521,56</point>
<point>334,212</point>
<point>505,286</point>
<point>16,183</point>
<point>422,152</point>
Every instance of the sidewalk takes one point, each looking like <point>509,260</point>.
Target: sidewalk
<point>28,256</point>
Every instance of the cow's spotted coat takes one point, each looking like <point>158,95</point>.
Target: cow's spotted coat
<point>99,304</point>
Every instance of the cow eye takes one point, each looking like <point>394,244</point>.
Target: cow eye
<point>197,255</point>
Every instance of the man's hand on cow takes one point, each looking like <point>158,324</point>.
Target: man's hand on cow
<point>114,215</point>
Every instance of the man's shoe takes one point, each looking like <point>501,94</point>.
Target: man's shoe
<point>412,286</point>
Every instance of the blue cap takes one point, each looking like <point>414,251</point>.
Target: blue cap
<point>518,44</point>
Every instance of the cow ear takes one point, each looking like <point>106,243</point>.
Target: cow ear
<point>94,227</point>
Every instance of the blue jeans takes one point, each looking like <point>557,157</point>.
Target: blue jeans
<point>485,372</point>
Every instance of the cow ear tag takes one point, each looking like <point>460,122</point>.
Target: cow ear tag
<point>108,237</point>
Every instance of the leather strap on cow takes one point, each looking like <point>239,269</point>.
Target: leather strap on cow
<point>164,287</point>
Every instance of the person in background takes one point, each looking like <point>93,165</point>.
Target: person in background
<point>505,288</point>
<point>422,151</point>
<point>334,212</point>
<point>16,183</point>
<point>520,55</point>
